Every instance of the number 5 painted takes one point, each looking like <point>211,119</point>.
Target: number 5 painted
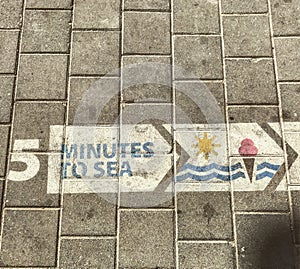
<point>32,162</point>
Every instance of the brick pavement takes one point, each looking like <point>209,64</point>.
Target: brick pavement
<point>247,55</point>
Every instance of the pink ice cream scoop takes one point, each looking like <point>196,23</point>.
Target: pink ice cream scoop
<point>247,148</point>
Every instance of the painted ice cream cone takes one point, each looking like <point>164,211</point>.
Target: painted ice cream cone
<point>247,149</point>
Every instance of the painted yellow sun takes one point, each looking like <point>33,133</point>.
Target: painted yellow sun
<point>206,146</point>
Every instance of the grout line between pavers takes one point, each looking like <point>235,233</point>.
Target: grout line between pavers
<point>250,105</point>
<point>150,11</point>
<point>257,58</point>
<point>49,8</point>
<point>61,184</point>
<point>14,96</point>
<point>40,101</point>
<point>197,34</point>
<point>227,135</point>
<point>44,53</point>
<point>286,37</point>
<point>261,213</point>
<point>213,241</point>
<point>281,121</point>
<point>87,237</point>
<point>9,29</point>
<point>264,14</point>
<point>96,30</point>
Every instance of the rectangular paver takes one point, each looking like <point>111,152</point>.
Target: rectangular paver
<point>247,36</point>
<point>48,4</point>
<point>42,77</point>
<point>244,6</point>
<point>288,58</point>
<point>146,239</point>
<point>147,4</point>
<point>285,14</point>
<point>97,14</point>
<point>10,13</point>
<point>33,121</point>
<point>6,93</point>
<point>290,98</point>
<point>46,31</point>
<point>87,253</point>
<point>147,33</point>
<point>196,16</point>
<point>199,56</point>
<point>8,49</point>
<point>251,82</point>
<point>210,256</point>
<point>204,215</point>
<point>95,53</point>
<point>29,238</point>
<point>33,192</point>
<point>89,214</point>
<point>4,136</point>
<point>296,214</point>
<point>265,241</point>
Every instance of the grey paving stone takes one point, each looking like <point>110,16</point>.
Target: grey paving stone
<point>8,48</point>
<point>135,75</point>
<point>4,136</point>
<point>196,16</point>
<point>288,58</point>
<point>42,77</point>
<point>48,4</point>
<point>147,32</point>
<point>32,192</point>
<point>46,31</point>
<point>97,14</point>
<point>191,109</point>
<point>205,215</point>
<point>146,239</point>
<point>10,13</point>
<point>244,6</point>
<point>208,256</point>
<point>290,99</point>
<point>33,120</point>
<point>251,82</point>
<point>285,14</point>
<point>247,36</point>
<point>147,4</point>
<point>267,242</point>
<point>6,97</point>
<point>79,97</point>
<point>200,56</point>
<point>95,52</point>
<point>296,214</point>
<point>89,214</point>
<point>87,253</point>
<point>29,238</point>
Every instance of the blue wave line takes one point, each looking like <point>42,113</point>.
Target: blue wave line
<point>210,167</point>
<point>210,176</point>
<point>263,175</point>
<point>268,165</point>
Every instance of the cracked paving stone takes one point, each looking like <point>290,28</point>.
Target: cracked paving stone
<point>208,256</point>
<point>29,238</point>
<point>147,4</point>
<point>244,6</point>
<point>48,4</point>
<point>87,253</point>
<point>33,120</point>
<point>196,16</point>
<point>32,192</point>
<point>95,53</point>
<point>4,136</point>
<point>247,36</point>
<point>199,56</point>
<point>285,17</point>
<point>46,31</point>
<point>146,239</point>
<point>6,92</point>
<point>147,33</point>
<point>89,214</point>
<point>288,58</point>
<point>8,48</point>
<point>93,14</point>
<point>267,242</point>
<point>42,77</point>
<point>10,13</point>
<point>251,82</point>
<point>204,216</point>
